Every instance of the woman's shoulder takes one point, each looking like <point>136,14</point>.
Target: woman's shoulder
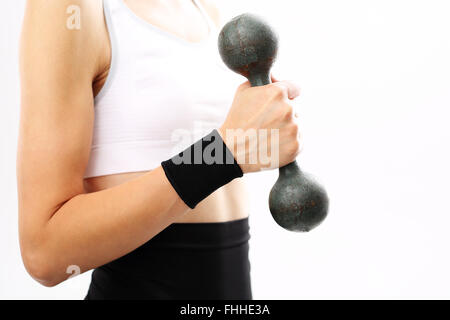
<point>72,13</point>
<point>59,28</point>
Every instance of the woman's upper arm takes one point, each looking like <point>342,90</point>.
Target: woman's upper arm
<point>57,67</point>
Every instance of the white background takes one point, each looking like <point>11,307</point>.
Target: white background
<point>374,113</point>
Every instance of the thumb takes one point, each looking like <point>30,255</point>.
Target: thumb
<point>293,90</point>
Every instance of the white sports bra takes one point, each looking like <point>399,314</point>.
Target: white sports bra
<point>162,94</point>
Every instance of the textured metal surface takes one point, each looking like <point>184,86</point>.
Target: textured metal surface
<point>249,46</point>
<point>297,202</point>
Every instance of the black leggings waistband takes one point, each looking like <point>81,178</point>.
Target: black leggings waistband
<point>184,261</point>
<point>202,235</point>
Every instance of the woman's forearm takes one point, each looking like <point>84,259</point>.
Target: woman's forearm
<point>92,229</point>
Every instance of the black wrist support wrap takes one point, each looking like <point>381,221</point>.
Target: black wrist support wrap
<point>201,169</point>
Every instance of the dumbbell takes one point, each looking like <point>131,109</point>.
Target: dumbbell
<point>249,46</point>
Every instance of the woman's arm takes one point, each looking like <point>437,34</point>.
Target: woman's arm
<point>61,225</point>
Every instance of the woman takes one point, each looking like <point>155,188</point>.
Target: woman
<point>104,104</point>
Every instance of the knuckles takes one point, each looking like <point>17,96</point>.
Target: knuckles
<point>293,130</point>
<point>294,149</point>
<point>288,112</point>
<point>277,92</point>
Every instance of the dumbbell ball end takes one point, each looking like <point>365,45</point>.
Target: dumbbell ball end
<point>248,45</point>
<point>297,202</point>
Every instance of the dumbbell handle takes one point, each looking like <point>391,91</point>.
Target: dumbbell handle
<point>249,46</point>
<point>258,80</point>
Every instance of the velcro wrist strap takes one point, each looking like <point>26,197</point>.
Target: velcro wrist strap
<point>201,169</point>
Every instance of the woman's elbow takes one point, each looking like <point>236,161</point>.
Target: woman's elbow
<point>40,267</point>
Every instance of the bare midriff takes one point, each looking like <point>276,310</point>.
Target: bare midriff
<point>226,204</point>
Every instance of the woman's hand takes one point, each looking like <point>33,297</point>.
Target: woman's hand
<point>260,129</point>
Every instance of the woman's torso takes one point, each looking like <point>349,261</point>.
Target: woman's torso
<point>185,26</point>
